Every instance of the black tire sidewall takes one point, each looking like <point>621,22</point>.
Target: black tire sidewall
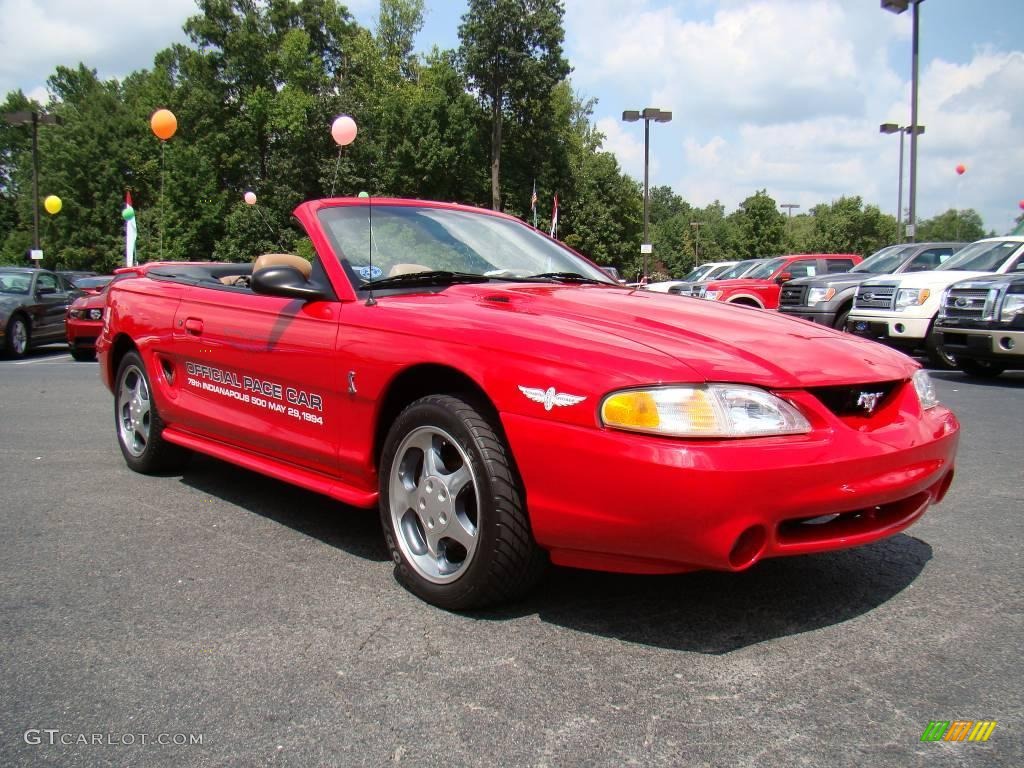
<point>157,455</point>
<point>9,348</point>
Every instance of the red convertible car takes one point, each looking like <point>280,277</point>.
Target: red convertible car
<point>504,403</point>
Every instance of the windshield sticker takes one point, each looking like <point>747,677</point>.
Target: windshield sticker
<point>259,393</point>
<point>369,272</point>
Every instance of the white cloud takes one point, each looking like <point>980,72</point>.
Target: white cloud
<point>115,37</point>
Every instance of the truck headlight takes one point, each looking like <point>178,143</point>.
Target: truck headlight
<point>818,295</point>
<point>911,297</point>
<point>1013,305</point>
<point>925,389</point>
<point>712,410</point>
<point>711,295</point>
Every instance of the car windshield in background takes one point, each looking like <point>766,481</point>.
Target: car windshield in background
<point>764,270</point>
<point>983,256</point>
<point>411,240</point>
<point>17,283</point>
<point>885,261</point>
<point>92,282</point>
<point>739,270</point>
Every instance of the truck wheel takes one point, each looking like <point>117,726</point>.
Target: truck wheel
<point>840,323</point>
<point>452,509</point>
<point>937,358</point>
<point>18,335</point>
<point>83,355</point>
<point>980,369</point>
<point>139,427</point>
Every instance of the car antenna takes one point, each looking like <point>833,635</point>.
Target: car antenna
<point>370,301</point>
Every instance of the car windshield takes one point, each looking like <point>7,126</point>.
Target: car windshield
<point>983,256</point>
<point>717,272</point>
<point>15,282</point>
<point>885,261</point>
<point>92,282</point>
<point>424,244</point>
<point>739,270</point>
<point>764,270</point>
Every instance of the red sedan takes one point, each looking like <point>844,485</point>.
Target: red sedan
<point>504,403</point>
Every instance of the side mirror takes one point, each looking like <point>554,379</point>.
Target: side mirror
<point>45,290</point>
<point>285,281</point>
<point>784,277</point>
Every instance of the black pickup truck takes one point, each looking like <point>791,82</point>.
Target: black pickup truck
<point>981,323</point>
<point>827,299</point>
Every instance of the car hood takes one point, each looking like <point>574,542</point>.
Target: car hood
<point>933,279</point>
<point>712,342</point>
<point>844,280</point>
<point>90,301</point>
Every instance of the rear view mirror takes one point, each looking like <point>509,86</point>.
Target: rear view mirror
<point>785,276</point>
<point>285,281</point>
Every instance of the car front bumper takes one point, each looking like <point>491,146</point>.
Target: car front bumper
<point>901,332</point>
<point>618,501</point>
<point>994,345</point>
<point>805,313</point>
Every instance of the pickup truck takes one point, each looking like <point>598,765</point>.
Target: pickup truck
<point>760,287</point>
<point>981,323</point>
<point>900,311</point>
<point>502,403</point>
<point>828,299</point>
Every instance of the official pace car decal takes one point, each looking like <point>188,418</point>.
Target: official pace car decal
<point>550,397</point>
<point>259,393</point>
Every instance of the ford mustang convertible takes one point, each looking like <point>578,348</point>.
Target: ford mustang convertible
<point>505,404</point>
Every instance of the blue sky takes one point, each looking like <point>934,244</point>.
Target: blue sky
<point>782,95</point>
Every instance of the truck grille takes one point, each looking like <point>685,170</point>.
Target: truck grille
<point>875,297</point>
<point>969,303</point>
<point>793,296</point>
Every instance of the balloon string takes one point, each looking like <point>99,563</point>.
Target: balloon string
<point>273,232</point>
<point>336,166</point>
<point>162,171</point>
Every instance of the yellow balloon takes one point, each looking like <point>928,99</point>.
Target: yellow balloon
<point>52,204</point>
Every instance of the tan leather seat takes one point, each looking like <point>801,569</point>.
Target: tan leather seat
<point>283,260</point>
<point>406,269</point>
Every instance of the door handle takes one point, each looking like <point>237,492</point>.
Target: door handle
<point>194,326</point>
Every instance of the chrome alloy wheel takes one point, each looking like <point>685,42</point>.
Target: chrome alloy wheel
<point>134,411</point>
<point>19,337</point>
<point>434,501</point>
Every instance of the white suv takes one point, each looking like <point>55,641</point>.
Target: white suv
<point>899,310</point>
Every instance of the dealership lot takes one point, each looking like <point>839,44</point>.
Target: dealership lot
<point>262,621</point>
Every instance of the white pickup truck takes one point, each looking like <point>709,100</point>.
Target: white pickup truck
<point>900,310</point>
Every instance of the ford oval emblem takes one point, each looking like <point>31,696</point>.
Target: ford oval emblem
<point>963,302</point>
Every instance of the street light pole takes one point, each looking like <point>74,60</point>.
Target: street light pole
<point>897,7</point>
<point>33,118</point>
<point>789,207</point>
<point>658,116</point>
<point>902,130</point>
<point>696,243</point>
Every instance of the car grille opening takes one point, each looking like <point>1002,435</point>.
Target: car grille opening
<point>793,296</point>
<point>968,303</point>
<point>831,528</point>
<point>875,297</point>
<point>859,400</point>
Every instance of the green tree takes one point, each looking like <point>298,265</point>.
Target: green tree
<point>849,226</point>
<point>398,23</point>
<point>761,228</point>
<point>952,225</point>
<point>511,52</point>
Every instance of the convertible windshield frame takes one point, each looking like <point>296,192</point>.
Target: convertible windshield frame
<point>373,243</point>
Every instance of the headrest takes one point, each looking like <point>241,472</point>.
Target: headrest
<point>282,260</point>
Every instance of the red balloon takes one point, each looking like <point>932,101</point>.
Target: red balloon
<point>1021,204</point>
<point>961,169</point>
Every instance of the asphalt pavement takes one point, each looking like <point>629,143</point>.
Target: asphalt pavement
<point>219,618</point>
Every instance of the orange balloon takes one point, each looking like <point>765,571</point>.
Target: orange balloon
<point>164,124</point>
<point>961,169</point>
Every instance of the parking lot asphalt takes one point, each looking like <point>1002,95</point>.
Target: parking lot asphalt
<point>263,621</point>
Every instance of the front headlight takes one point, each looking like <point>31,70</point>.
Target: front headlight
<point>911,297</point>
<point>712,410</point>
<point>711,295</point>
<point>925,389</point>
<point>818,295</point>
<point>95,314</point>
<point>1013,305</point>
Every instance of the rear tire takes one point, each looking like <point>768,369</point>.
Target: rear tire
<point>138,423</point>
<point>980,369</point>
<point>452,507</point>
<point>83,355</point>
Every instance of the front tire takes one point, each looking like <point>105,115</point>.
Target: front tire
<point>138,423</point>
<point>452,508</point>
<point>980,369</point>
<point>83,355</point>
<point>937,358</point>
<point>18,337</point>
